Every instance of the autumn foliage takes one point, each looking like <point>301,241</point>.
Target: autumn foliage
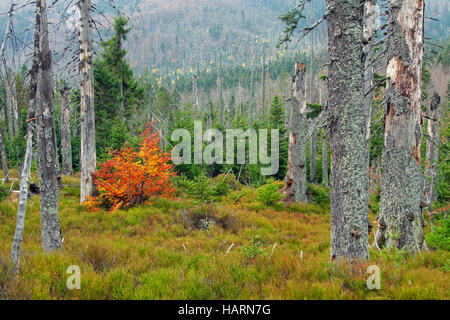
<point>134,176</point>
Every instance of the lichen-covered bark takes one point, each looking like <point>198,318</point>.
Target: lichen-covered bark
<point>31,126</point>
<point>66,148</point>
<point>295,181</point>
<point>402,180</point>
<point>324,162</point>
<point>348,120</point>
<point>87,112</point>
<point>432,154</point>
<point>48,163</point>
<point>369,21</point>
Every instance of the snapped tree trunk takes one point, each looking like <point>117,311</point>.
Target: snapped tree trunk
<point>432,154</point>
<point>87,113</point>
<point>48,160</point>
<point>295,181</point>
<point>348,120</point>
<point>31,126</point>
<point>65,132</point>
<point>402,180</point>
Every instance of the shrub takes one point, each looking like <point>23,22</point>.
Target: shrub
<point>200,188</point>
<point>254,248</point>
<point>269,194</point>
<point>132,177</point>
<point>4,192</point>
<point>320,195</point>
<point>440,237</point>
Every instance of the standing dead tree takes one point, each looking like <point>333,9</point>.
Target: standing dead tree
<point>295,181</point>
<point>432,155</point>
<point>31,127</point>
<point>87,113</point>
<point>348,120</point>
<point>402,180</point>
<point>48,160</point>
<point>65,133</point>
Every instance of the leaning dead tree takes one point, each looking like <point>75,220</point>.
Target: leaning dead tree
<point>87,113</point>
<point>347,118</point>
<point>295,181</point>
<point>402,181</point>
<point>48,160</point>
<point>432,155</point>
<point>65,133</point>
<point>31,127</point>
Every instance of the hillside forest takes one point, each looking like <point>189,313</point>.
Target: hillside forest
<point>224,149</point>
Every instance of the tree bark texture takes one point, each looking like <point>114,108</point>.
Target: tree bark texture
<point>402,180</point>
<point>31,127</point>
<point>295,181</point>
<point>432,154</point>
<point>348,120</point>
<point>324,162</point>
<point>87,114</point>
<point>65,132</point>
<point>48,160</point>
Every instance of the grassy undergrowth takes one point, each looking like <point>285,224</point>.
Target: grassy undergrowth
<point>232,248</point>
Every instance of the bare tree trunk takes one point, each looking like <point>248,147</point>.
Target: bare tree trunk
<point>432,155</point>
<point>263,84</point>
<point>324,162</point>
<point>2,114</point>
<point>195,93</point>
<point>66,148</point>
<point>369,20</point>
<point>2,148</point>
<point>349,192</point>
<point>31,126</point>
<point>87,113</point>
<point>402,180</point>
<point>312,157</point>
<point>48,160</point>
<point>9,109</point>
<point>295,181</point>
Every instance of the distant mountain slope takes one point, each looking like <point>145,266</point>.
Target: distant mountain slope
<point>185,34</point>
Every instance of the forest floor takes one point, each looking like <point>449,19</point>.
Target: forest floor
<point>233,248</point>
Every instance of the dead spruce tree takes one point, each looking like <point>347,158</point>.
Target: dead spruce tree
<point>369,26</point>
<point>295,181</point>
<point>432,154</point>
<point>66,149</point>
<point>348,120</point>
<point>400,219</point>
<point>87,112</point>
<point>48,160</point>
<point>31,127</point>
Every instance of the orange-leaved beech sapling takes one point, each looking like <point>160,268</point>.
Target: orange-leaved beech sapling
<point>134,176</point>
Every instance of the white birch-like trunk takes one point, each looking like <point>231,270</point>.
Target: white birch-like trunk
<point>87,113</point>
<point>31,126</point>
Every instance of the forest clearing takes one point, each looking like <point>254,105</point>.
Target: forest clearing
<point>250,251</point>
<point>224,150</point>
